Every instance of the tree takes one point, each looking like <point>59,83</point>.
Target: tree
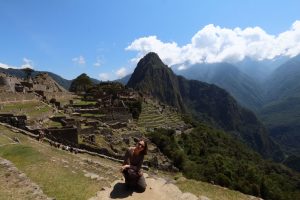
<point>28,71</point>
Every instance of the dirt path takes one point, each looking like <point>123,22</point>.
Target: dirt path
<point>16,185</point>
<point>157,188</point>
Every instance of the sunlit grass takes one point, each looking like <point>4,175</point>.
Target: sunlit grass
<point>41,164</point>
<point>32,109</point>
<point>82,102</point>
<point>213,192</point>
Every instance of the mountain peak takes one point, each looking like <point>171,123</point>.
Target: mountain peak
<point>152,76</point>
<point>151,59</point>
<point>151,56</point>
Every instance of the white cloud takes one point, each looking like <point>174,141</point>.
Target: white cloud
<point>27,63</point>
<point>104,76</point>
<point>215,44</point>
<point>168,51</point>
<point>121,72</point>
<point>98,62</point>
<point>79,60</point>
<point>182,67</point>
<point>6,66</point>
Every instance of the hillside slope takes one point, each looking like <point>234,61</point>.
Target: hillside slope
<point>205,101</point>
<point>227,76</point>
<point>281,112</point>
<point>90,174</point>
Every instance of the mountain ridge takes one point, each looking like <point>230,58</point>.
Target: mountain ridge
<point>59,79</point>
<point>205,101</point>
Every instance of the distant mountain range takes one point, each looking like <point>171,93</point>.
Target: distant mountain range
<point>205,101</point>
<point>270,88</point>
<point>60,80</point>
<point>241,86</point>
<point>281,111</point>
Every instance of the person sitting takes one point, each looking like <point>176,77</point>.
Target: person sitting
<point>132,165</point>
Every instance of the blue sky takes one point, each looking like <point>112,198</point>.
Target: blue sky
<point>106,38</point>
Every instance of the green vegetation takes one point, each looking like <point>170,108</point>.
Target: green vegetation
<point>83,102</point>
<point>283,120</point>
<point>32,109</point>
<point>59,173</point>
<point>150,117</point>
<point>135,108</point>
<point>152,76</point>
<point>211,191</point>
<point>211,155</point>
<point>51,123</point>
<point>81,84</point>
<point>206,102</point>
<point>92,115</point>
<point>282,113</point>
<point>104,89</point>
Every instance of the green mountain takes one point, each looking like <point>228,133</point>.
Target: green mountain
<point>284,81</point>
<point>123,80</point>
<point>281,112</point>
<point>227,76</point>
<point>260,70</point>
<point>81,84</point>
<point>152,76</point>
<point>211,155</point>
<point>204,101</point>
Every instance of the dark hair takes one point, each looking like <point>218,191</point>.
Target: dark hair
<point>145,149</point>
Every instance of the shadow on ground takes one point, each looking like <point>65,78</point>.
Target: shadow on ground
<point>120,191</point>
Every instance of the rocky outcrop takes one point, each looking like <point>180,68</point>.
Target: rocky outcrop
<point>17,184</point>
<point>157,188</point>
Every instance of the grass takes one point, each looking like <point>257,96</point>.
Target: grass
<point>92,115</point>
<point>100,141</point>
<point>151,118</point>
<point>199,188</point>
<point>213,192</point>
<point>59,173</point>
<point>33,109</point>
<point>51,123</point>
<point>4,140</point>
<point>82,102</point>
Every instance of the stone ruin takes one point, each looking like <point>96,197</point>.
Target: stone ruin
<point>67,135</point>
<point>8,83</point>
<point>40,86</point>
<point>18,121</point>
<point>114,117</point>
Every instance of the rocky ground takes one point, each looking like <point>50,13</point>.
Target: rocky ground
<point>157,188</point>
<point>20,186</point>
<point>83,176</point>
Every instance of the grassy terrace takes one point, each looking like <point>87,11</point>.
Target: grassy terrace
<point>59,173</point>
<point>63,175</point>
<point>51,123</point>
<point>211,191</point>
<point>33,109</point>
<point>151,118</point>
<point>82,102</point>
<point>92,115</point>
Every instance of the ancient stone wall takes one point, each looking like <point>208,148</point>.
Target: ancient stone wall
<point>17,121</point>
<point>58,95</point>
<point>15,97</point>
<point>66,135</point>
<point>87,131</point>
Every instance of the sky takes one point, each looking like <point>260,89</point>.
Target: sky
<point>106,38</point>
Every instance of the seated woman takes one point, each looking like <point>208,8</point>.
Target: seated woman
<point>132,164</point>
